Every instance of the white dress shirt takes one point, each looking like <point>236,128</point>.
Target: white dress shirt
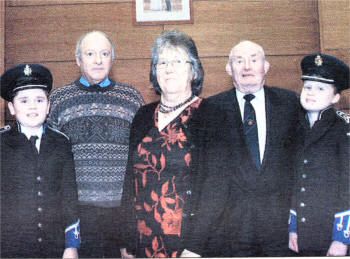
<point>260,113</point>
<point>33,132</point>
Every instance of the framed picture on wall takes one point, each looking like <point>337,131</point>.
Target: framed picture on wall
<point>151,12</point>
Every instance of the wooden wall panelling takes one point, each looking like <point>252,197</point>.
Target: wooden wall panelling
<point>2,36</point>
<point>216,79</point>
<point>49,33</point>
<point>134,72</point>
<point>285,72</point>
<point>334,24</point>
<point>2,57</point>
<point>343,54</point>
<point>61,2</point>
<point>285,27</point>
<point>335,37</point>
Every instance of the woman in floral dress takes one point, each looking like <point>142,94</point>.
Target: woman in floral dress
<point>169,141</point>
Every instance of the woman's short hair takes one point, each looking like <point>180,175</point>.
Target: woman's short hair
<point>177,39</point>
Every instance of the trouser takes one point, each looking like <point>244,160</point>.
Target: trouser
<point>99,228</point>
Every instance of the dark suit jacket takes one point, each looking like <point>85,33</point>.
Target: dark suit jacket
<point>322,170</point>
<point>255,204</point>
<point>29,182</point>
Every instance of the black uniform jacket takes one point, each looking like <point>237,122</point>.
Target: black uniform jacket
<point>254,203</point>
<point>203,132</point>
<point>38,195</point>
<point>322,179</point>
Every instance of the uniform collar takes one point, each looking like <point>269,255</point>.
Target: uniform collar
<point>321,115</point>
<point>31,132</point>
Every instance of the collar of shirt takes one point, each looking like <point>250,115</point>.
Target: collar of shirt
<point>28,132</point>
<point>258,102</point>
<point>312,117</point>
<point>104,83</point>
<point>260,113</point>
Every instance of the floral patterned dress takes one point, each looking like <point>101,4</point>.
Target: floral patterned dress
<point>161,170</point>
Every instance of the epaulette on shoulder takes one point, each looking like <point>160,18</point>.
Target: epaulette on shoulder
<point>59,132</point>
<point>5,129</point>
<point>344,116</point>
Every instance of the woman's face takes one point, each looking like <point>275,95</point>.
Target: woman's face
<point>174,72</point>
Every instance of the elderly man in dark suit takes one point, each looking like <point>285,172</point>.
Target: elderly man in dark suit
<point>255,193</point>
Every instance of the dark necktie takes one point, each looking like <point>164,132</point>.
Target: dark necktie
<point>32,140</point>
<point>251,129</point>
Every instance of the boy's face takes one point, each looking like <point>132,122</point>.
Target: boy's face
<point>30,107</point>
<point>317,96</point>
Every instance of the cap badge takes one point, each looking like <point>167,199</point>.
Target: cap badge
<point>27,70</point>
<point>318,60</point>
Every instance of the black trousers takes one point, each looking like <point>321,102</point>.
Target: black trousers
<point>99,229</point>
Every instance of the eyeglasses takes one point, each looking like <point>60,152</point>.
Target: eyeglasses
<point>177,63</point>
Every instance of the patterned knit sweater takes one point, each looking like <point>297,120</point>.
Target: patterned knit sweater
<point>97,120</point>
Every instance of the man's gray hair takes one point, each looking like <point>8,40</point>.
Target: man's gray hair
<point>79,42</point>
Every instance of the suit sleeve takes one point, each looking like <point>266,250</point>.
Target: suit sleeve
<point>213,183</point>
<point>70,198</point>
<point>299,133</point>
<point>341,224</point>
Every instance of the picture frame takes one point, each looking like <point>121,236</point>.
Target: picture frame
<point>155,12</point>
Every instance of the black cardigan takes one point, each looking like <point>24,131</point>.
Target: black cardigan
<point>203,132</point>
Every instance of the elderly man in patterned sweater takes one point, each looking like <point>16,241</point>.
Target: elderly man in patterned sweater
<point>96,112</point>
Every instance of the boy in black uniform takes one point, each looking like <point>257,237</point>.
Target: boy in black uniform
<point>38,186</point>
<point>320,216</point>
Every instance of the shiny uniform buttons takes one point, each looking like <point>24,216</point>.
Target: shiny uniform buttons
<point>184,215</point>
<point>39,209</point>
<point>302,189</point>
<point>188,192</point>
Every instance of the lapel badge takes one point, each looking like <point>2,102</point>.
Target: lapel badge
<point>250,122</point>
<point>318,60</point>
<point>27,70</point>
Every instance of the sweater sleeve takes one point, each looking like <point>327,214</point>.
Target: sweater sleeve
<point>52,118</point>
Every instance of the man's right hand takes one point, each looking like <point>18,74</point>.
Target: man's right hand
<point>125,254</point>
